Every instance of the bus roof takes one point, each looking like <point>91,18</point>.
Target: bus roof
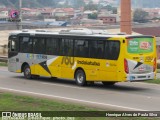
<point>77,32</point>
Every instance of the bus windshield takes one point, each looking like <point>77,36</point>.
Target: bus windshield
<point>139,45</point>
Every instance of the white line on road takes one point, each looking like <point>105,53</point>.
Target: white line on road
<point>3,70</point>
<point>62,85</point>
<point>73,99</point>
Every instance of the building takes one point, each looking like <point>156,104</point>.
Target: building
<point>60,13</point>
<point>88,12</point>
<point>107,19</point>
<point>152,12</point>
<point>69,12</point>
<point>30,12</point>
<point>90,22</point>
<point>48,12</point>
<point>4,13</point>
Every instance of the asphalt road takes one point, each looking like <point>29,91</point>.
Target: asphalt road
<point>123,96</point>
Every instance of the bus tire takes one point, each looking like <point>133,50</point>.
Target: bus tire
<point>108,83</point>
<point>80,78</point>
<point>27,72</point>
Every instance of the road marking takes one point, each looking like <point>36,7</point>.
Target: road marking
<point>62,85</point>
<point>3,70</point>
<point>73,99</point>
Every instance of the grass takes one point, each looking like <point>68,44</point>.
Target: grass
<point>158,70</point>
<point>11,102</point>
<point>3,64</point>
<point>23,103</point>
<point>155,81</point>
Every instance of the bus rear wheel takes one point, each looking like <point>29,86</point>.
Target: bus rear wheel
<point>27,72</point>
<point>80,78</point>
<point>108,83</point>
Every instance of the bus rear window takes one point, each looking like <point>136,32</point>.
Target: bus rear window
<point>139,45</point>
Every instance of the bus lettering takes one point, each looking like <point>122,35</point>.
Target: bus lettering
<point>88,63</point>
<point>67,60</point>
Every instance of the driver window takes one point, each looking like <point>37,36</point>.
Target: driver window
<point>13,45</point>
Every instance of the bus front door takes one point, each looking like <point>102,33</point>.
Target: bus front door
<point>12,54</point>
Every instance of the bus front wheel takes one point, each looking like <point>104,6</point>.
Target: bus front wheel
<point>27,72</point>
<point>80,78</point>
<point>108,83</point>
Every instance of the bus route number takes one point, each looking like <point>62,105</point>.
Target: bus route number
<point>67,60</point>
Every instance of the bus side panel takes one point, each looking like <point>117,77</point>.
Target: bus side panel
<point>54,66</point>
<point>47,65</point>
<point>90,66</point>
<point>70,64</point>
<point>12,64</point>
<point>113,70</point>
<point>39,70</point>
<point>25,58</point>
<point>108,70</point>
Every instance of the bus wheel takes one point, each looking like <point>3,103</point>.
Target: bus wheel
<point>80,78</point>
<point>108,83</point>
<point>27,72</point>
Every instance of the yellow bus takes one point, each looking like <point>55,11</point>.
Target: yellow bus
<point>82,55</point>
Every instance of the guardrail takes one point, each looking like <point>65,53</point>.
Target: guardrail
<point>3,58</point>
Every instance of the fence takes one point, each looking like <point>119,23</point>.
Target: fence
<point>3,58</point>
<point>3,50</point>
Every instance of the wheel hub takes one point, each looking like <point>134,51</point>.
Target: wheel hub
<point>80,78</point>
<point>27,71</point>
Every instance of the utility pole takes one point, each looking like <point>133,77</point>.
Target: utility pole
<point>126,25</point>
<point>20,14</point>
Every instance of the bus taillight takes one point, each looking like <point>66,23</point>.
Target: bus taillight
<point>154,65</point>
<point>126,66</point>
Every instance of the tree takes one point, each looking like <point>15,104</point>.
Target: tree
<point>109,7</point>
<point>140,16</point>
<point>91,6</point>
<point>114,10</point>
<point>79,3</point>
<point>29,3</point>
<point>92,16</point>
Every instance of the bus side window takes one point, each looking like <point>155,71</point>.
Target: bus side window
<point>96,49</point>
<point>13,45</point>
<point>93,49</point>
<point>117,50</point>
<point>100,49</point>
<point>106,53</point>
<point>81,48</point>
<point>25,45</point>
<point>39,45</point>
<point>86,49</point>
<point>52,46</point>
<point>112,49</point>
<point>67,47</point>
